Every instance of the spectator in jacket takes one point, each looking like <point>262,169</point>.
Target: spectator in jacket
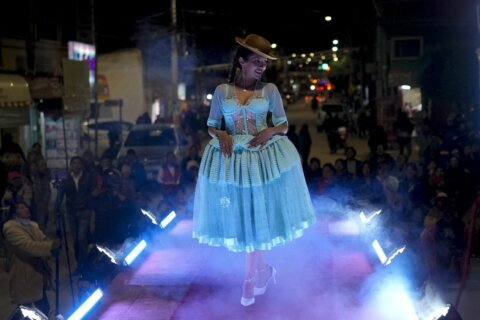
<point>30,274</point>
<point>79,188</point>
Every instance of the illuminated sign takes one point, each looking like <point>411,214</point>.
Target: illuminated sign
<point>79,51</point>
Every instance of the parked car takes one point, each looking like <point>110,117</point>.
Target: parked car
<point>103,126</point>
<point>151,142</point>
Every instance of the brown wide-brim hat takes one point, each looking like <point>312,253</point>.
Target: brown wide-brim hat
<point>256,44</point>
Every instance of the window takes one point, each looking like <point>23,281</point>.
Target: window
<point>406,48</point>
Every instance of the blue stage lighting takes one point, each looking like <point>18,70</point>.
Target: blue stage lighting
<point>107,252</point>
<point>164,222</point>
<point>366,219</point>
<point>87,305</point>
<point>169,218</point>
<point>384,259</point>
<point>445,312</point>
<point>24,312</point>
<point>135,252</point>
<point>150,215</point>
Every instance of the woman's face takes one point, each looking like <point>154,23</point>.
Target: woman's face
<point>254,66</point>
<point>22,211</point>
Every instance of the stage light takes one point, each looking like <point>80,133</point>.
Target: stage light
<point>24,312</point>
<point>446,312</point>
<point>150,216</point>
<point>164,222</point>
<point>169,218</point>
<point>366,219</point>
<point>135,252</point>
<point>384,259</point>
<point>439,312</point>
<point>87,305</point>
<point>109,253</point>
<point>98,265</point>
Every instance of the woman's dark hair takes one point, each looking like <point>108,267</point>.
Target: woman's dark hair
<point>241,52</point>
<point>244,53</point>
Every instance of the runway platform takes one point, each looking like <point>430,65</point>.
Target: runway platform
<point>323,275</point>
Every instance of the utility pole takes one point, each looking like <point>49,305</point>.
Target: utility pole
<point>477,51</point>
<point>95,95</point>
<point>32,36</point>
<point>174,53</point>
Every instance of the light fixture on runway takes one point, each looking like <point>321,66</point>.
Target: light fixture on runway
<point>87,305</point>
<point>164,221</point>
<point>119,255</point>
<point>382,256</point>
<point>366,219</point>
<point>169,218</point>
<point>109,253</point>
<point>446,312</point>
<point>135,252</point>
<point>24,312</point>
<point>150,216</point>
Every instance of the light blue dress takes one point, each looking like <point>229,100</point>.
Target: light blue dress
<point>257,198</point>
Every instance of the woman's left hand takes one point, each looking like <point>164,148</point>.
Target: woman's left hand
<point>261,138</point>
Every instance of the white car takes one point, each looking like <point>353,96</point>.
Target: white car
<point>103,126</point>
<point>151,143</point>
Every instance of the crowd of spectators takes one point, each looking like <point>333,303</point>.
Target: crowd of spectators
<point>426,204</point>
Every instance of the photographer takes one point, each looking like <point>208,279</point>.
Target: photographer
<point>79,188</point>
<point>107,207</point>
<point>30,274</point>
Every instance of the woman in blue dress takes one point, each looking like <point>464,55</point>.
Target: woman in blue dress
<point>251,193</point>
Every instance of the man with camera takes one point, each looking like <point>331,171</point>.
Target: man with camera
<point>79,189</point>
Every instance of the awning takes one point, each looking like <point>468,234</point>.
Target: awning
<point>14,101</point>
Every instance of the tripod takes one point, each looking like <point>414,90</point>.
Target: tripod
<point>61,233</point>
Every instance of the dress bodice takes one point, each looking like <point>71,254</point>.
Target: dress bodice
<point>248,118</point>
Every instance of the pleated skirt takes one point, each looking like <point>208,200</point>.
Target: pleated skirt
<point>255,199</point>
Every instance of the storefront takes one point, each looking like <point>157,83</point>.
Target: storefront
<point>17,115</point>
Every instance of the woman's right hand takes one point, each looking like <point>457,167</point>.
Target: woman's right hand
<point>225,142</point>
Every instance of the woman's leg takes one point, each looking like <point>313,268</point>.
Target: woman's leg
<point>250,264</point>
<point>264,271</point>
<point>260,263</point>
<point>248,282</point>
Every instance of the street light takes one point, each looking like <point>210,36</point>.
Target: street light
<point>328,18</point>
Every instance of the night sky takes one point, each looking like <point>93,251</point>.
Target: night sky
<point>210,26</point>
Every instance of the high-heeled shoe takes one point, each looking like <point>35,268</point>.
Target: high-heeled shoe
<point>261,290</point>
<point>248,287</point>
